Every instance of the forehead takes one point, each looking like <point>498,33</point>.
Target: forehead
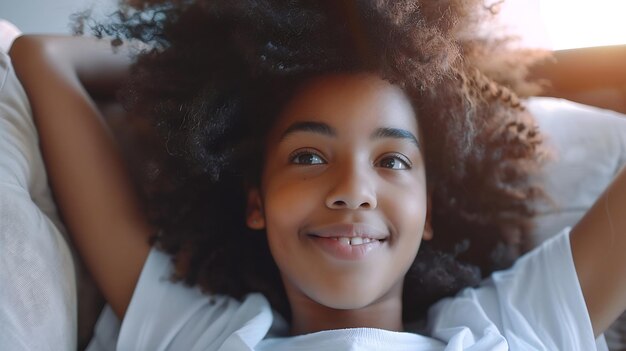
<point>349,101</point>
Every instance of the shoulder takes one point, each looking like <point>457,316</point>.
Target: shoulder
<point>169,315</point>
<point>537,303</point>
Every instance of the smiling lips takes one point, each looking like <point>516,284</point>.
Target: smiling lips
<point>349,230</point>
<point>348,241</point>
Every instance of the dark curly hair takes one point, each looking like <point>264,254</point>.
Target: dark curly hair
<point>218,73</point>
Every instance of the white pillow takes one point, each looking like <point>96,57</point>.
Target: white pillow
<point>590,149</point>
<point>38,289</point>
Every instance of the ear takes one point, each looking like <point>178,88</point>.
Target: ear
<point>255,219</point>
<point>428,229</point>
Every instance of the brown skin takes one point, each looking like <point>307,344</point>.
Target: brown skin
<point>351,178</point>
<point>602,84</point>
<point>101,210</point>
<point>89,180</point>
<point>599,246</point>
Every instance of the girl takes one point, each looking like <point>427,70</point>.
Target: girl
<point>330,169</point>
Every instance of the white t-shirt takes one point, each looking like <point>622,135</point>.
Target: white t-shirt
<point>535,305</point>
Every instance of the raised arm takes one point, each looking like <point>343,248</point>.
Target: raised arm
<point>91,185</point>
<point>599,249</point>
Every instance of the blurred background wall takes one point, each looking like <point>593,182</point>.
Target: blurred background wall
<point>49,16</point>
<point>551,24</point>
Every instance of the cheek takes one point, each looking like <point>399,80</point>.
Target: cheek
<point>410,208</point>
<point>405,208</point>
<point>405,203</point>
<point>288,202</point>
<point>407,244</point>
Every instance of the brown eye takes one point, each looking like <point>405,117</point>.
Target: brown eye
<point>393,162</point>
<point>306,158</point>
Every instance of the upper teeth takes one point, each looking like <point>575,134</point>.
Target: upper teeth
<point>354,241</point>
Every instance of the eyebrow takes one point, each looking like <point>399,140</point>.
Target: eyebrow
<point>396,133</point>
<point>325,129</point>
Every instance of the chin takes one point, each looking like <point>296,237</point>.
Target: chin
<point>348,298</point>
<point>346,304</point>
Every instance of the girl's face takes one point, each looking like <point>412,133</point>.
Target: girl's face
<point>343,191</point>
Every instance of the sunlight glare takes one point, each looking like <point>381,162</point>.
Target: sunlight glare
<point>578,23</point>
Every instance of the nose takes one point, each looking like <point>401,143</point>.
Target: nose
<point>353,189</point>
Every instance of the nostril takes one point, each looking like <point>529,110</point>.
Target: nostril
<point>344,204</point>
<point>340,203</point>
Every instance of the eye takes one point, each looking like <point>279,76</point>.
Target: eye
<point>306,157</point>
<point>394,162</point>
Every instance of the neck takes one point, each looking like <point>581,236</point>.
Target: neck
<point>309,316</point>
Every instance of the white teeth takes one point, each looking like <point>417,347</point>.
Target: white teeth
<point>356,241</point>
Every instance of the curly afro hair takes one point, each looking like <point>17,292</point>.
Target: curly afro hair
<point>218,72</point>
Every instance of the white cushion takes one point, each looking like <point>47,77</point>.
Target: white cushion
<point>589,146</point>
<point>37,291</point>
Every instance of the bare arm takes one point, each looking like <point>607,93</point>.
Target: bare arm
<point>87,175</point>
<point>599,249</point>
